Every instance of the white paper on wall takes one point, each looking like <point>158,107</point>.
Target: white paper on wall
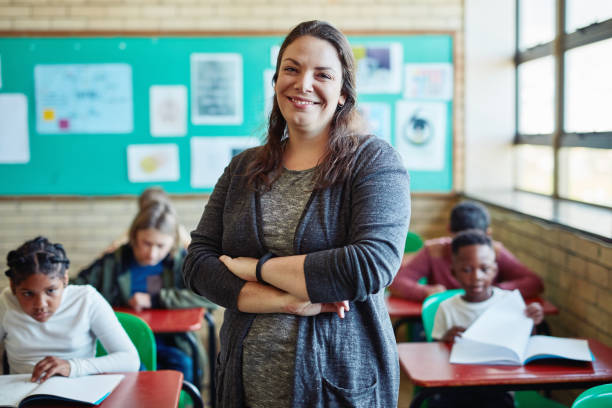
<point>153,162</point>
<point>168,110</point>
<point>14,135</point>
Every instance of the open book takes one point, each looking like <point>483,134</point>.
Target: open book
<point>17,389</point>
<point>502,336</point>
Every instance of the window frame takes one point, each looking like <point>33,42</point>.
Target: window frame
<point>557,47</point>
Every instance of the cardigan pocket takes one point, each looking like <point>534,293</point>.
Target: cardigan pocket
<point>361,397</point>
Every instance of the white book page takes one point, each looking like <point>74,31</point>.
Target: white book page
<point>504,324</point>
<point>14,387</point>
<point>89,388</point>
<point>466,351</point>
<point>548,346</point>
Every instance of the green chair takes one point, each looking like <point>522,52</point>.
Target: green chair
<point>141,335</point>
<point>430,307</point>
<point>595,397</point>
<point>143,339</point>
<point>414,242</point>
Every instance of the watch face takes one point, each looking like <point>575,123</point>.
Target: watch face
<point>418,130</point>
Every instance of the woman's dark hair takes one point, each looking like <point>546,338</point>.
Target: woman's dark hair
<point>159,216</point>
<point>469,215</point>
<point>345,126</point>
<point>36,256</point>
<point>470,237</point>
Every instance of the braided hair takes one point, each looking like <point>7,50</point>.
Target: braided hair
<point>36,256</point>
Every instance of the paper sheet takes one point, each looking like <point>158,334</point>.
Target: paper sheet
<point>168,110</point>
<point>210,156</point>
<point>155,162</point>
<point>14,135</point>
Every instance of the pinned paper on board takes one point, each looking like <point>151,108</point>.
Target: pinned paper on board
<point>168,110</point>
<point>153,162</point>
<point>428,81</point>
<point>216,89</point>
<point>378,117</point>
<point>379,67</point>
<point>83,98</point>
<point>14,136</point>
<point>210,156</point>
<point>268,91</point>
<point>420,134</point>
<point>274,50</point>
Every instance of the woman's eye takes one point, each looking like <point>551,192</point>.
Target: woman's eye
<point>325,76</point>
<point>289,69</point>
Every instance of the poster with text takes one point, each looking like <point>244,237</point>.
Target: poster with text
<point>428,81</point>
<point>216,89</point>
<point>14,136</point>
<point>268,91</point>
<point>420,134</point>
<point>210,156</point>
<point>83,98</point>
<point>379,67</point>
<point>153,162</point>
<point>168,110</point>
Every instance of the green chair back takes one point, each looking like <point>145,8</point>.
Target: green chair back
<point>414,242</point>
<point>430,307</point>
<point>141,335</point>
<point>595,397</point>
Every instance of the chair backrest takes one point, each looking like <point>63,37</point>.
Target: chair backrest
<point>430,307</point>
<point>595,397</point>
<point>141,335</point>
<point>414,242</point>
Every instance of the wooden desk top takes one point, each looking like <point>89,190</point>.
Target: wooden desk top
<point>142,389</point>
<point>402,308</point>
<point>427,364</point>
<point>169,320</point>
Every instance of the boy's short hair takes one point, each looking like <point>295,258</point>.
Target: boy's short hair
<point>469,215</point>
<point>470,237</point>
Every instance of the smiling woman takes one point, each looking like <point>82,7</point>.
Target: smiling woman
<point>298,241</point>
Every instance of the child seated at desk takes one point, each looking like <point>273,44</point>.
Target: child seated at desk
<point>147,197</point>
<point>474,267</point>
<point>49,327</point>
<point>146,273</point>
<point>433,261</point>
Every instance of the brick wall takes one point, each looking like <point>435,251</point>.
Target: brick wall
<point>577,274</point>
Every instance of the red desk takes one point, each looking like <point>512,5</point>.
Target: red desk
<point>143,389</point>
<point>428,366</point>
<point>181,321</point>
<point>410,310</point>
<point>169,320</point>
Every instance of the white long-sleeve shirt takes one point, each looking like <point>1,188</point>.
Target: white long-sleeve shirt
<point>70,334</point>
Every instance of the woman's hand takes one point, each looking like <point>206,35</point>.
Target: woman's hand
<point>301,307</point>
<point>534,311</point>
<point>50,366</point>
<point>242,267</point>
<point>452,334</point>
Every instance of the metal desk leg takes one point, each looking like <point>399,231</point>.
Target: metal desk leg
<point>212,354</point>
<point>195,353</point>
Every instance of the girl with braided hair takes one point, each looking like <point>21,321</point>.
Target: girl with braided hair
<point>49,327</point>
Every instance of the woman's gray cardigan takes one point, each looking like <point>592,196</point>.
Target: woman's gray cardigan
<point>353,233</point>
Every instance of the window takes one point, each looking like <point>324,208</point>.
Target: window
<point>563,145</point>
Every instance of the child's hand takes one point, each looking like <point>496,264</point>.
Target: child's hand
<point>50,366</point>
<point>534,311</point>
<point>431,289</point>
<point>140,301</point>
<point>452,334</point>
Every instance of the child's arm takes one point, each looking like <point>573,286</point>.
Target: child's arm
<point>452,334</point>
<point>405,284</point>
<point>122,355</point>
<point>534,311</point>
<point>48,367</point>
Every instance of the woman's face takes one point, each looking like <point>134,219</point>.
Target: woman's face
<point>40,295</point>
<point>308,85</point>
<point>151,246</point>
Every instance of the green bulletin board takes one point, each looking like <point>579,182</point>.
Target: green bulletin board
<point>64,162</point>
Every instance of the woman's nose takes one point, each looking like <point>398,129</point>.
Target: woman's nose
<point>303,83</point>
